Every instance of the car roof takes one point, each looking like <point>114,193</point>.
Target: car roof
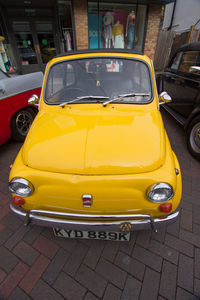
<point>190,47</point>
<point>106,50</point>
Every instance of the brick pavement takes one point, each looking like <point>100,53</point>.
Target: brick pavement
<point>36,265</point>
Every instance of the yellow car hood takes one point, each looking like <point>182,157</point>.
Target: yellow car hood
<point>91,139</point>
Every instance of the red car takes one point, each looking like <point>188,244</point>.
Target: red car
<point>16,115</point>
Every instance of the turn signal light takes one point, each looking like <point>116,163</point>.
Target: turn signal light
<point>18,200</point>
<point>165,207</point>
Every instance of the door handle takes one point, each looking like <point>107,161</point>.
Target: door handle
<point>2,91</point>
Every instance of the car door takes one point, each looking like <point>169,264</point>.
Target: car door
<point>5,109</point>
<point>182,83</point>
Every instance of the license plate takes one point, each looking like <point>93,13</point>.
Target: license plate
<point>93,235</point>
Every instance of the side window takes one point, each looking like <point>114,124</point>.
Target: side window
<point>176,61</point>
<point>190,61</point>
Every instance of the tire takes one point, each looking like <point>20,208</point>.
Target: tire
<point>193,137</point>
<point>21,123</point>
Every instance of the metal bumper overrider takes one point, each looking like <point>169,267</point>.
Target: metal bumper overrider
<point>91,222</point>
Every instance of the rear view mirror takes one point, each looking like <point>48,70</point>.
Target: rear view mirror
<point>34,100</point>
<point>164,98</point>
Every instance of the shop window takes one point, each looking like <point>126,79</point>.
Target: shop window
<point>117,25</point>
<point>7,62</point>
<point>66,26</point>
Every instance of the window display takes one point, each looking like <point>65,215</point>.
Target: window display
<point>116,25</point>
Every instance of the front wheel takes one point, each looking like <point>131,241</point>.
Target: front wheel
<point>21,123</point>
<point>193,137</point>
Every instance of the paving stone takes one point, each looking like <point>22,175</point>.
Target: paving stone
<point>148,258</point>
<point>32,234</point>
<point>2,275</point>
<point>196,214</point>
<point>45,246</point>
<point>196,229</point>
<point>4,199</point>
<point>186,219</point>
<point>67,244</point>
<point>93,254</point>
<point>18,294</point>
<point>164,251</point>
<point>5,209</point>
<point>197,287</point>
<point>190,237</point>
<point>26,253</point>
<point>75,259</point>
<point>181,246</point>
<point>5,234</point>
<point>55,266</point>
<point>197,263</point>
<point>168,280</point>
<point>12,280</point>
<point>11,221</point>
<point>160,235</point>
<point>110,250</point>
<point>127,247</point>
<point>150,285</point>
<point>112,293</point>
<point>16,237</point>
<point>174,228</point>
<point>44,291</point>
<point>91,280</point>
<point>69,288</point>
<point>130,265</point>
<point>183,295</point>
<point>132,289</point>
<point>185,273</point>
<point>143,238</point>
<point>111,272</point>
<point>8,261</point>
<point>34,274</point>
<point>90,296</point>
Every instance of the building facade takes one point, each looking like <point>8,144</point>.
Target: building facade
<point>33,31</point>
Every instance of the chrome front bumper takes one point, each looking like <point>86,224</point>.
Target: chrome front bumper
<point>92,222</point>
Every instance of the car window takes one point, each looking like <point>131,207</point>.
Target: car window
<point>106,77</point>
<point>190,59</point>
<point>176,61</point>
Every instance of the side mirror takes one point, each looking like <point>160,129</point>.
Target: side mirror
<point>164,98</point>
<point>34,99</point>
<point>194,69</point>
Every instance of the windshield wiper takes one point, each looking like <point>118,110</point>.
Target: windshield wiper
<point>120,97</point>
<point>82,98</point>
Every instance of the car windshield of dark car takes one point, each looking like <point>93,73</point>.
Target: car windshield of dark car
<point>102,77</point>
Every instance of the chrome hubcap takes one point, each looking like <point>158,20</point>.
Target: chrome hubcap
<point>23,122</point>
<point>195,138</point>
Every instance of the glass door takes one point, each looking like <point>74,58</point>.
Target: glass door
<point>35,43</point>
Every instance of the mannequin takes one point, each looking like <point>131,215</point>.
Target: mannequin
<point>130,29</point>
<point>118,35</point>
<point>108,21</point>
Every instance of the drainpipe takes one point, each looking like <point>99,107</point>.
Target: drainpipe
<point>172,18</point>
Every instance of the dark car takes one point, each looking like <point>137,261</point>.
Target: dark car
<point>181,79</point>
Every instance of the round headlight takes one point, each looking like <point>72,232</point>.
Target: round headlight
<point>21,187</point>
<point>160,192</point>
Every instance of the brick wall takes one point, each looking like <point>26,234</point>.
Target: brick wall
<point>152,29</point>
<point>81,23</point>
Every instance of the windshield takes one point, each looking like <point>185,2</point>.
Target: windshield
<point>102,77</point>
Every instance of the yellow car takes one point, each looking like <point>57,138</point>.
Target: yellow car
<point>97,162</point>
